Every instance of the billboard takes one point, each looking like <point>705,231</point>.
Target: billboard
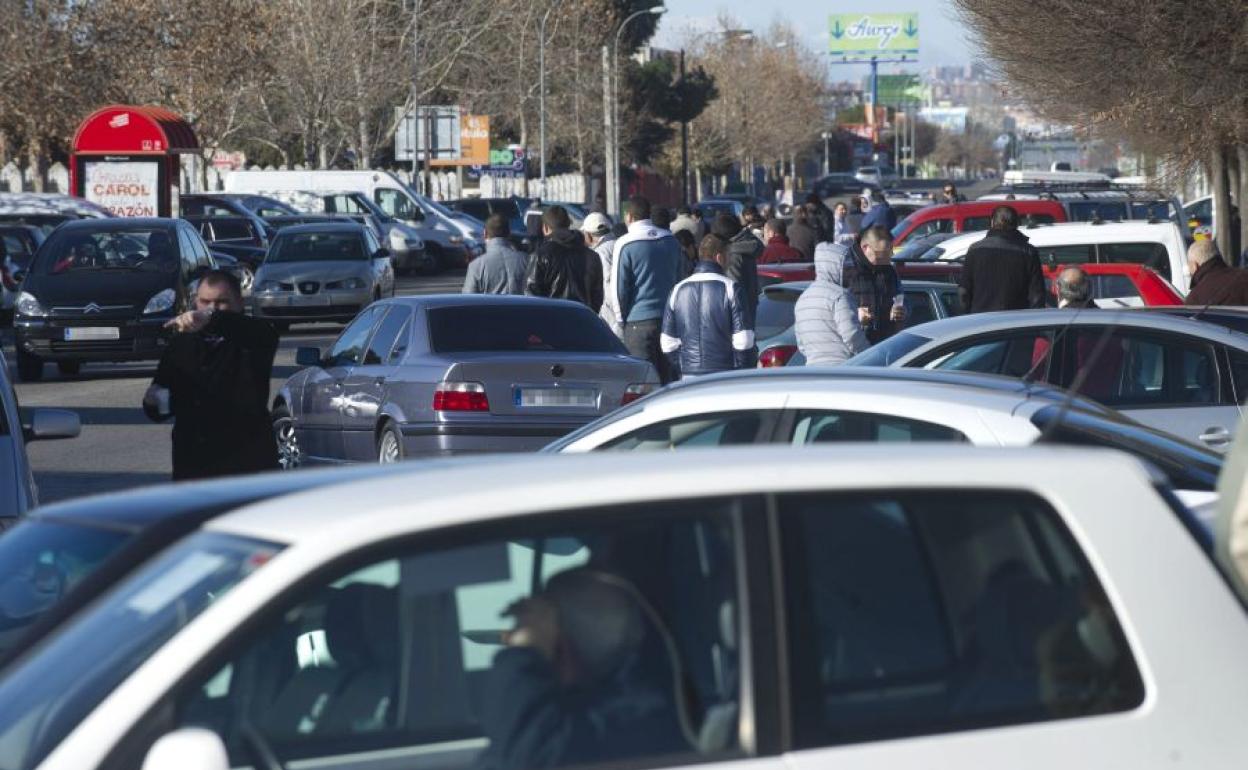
<point>126,188</point>
<point>474,142</point>
<point>899,89</point>
<point>951,119</point>
<point>861,36</point>
<point>444,142</point>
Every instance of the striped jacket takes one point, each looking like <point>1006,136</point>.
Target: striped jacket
<point>705,327</point>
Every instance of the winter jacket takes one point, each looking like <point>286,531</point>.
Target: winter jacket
<point>687,222</point>
<point>742,267</point>
<point>1216,283</point>
<point>880,214</point>
<point>645,267</point>
<point>500,270</point>
<point>1002,272</point>
<point>778,251</point>
<point>826,315</point>
<point>824,224</point>
<point>704,323</point>
<point>603,248</point>
<point>565,268</point>
<point>873,286</point>
<point>803,238</point>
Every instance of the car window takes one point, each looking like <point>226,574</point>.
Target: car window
<point>1125,368</point>
<point>1158,210</point>
<point>1239,374</point>
<point>919,308</point>
<point>1067,255</point>
<point>187,249</point>
<point>936,611</point>
<point>232,230</point>
<point>1025,354</point>
<point>1030,220</point>
<point>396,204</point>
<point>18,249</point>
<point>952,302</point>
<point>198,248</point>
<point>370,241</point>
<point>387,332</point>
<point>1154,255</point>
<point>889,351</point>
<point>342,204</point>
<point>1086,211</point>
<point>931,227</point>
<point>694,431</point>
<point>318,247</point>
<point>73,251</point>
<point>349,347</point>
<point>512,328</point>
<point>413,651</point>
<point>975,224</point>
<point>816,426</point>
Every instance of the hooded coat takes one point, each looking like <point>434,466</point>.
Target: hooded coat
<point>826,315</point>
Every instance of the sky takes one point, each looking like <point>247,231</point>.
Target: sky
<point>942,39</point>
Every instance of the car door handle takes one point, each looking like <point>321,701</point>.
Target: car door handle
<point>1215,435</point>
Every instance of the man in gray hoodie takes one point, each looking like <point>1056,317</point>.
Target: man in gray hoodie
<point>500,270</point>
<point>826,315</point>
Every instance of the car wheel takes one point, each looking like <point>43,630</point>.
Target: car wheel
<point>390,445</point>
<point>69,368</point>
<point>29,366</point>
<point>434,264</point>
<point>289,455</point>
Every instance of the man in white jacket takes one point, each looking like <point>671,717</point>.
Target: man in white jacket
<point>597,231</point>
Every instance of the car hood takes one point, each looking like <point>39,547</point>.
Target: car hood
<point>103,287</point>
<point>290,272</point>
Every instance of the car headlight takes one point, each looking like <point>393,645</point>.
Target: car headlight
<point>27,305</point>
<point>268,287</point>
<point>398,242</point>
<point>161,302</point>
<point>347,283</point>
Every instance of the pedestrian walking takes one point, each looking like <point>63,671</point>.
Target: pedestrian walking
<point>704,327</point>
<point>213,379</point>
<point>501,269</point>
<point>689,249</point>
<point>1074,289</point>
<point>564,267</point>
<point>597,231</point>
<point>801,235</point>
<point>684,221</point>
<point>778,249</point>
<point>1002,271</point>
<point>826,316</point>
<point>870,276</point>
<point>646,267</point>
<point>1213,281</point>
<point>742,262</point>
<point>880,213</point>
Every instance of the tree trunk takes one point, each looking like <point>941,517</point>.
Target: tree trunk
<point>1241,152</point>
<point>34,152</point>
<point>1221,202</point>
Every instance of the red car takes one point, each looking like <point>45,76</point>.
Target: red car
<point>1122,285</point>
<point>948,272</point>
<point>972,216</point>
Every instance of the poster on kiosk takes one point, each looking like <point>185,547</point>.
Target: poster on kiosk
<point>127,187</point>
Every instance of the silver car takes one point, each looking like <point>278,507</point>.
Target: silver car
<point>321,272</point>
<point>451,374</point>
<point>18,493</point>
<point>1186,377</point>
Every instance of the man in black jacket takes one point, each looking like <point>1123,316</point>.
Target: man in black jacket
<point>1002,271</point>
<point>870,276</point>
<point>741,264</point>
<point>214,380</point>
<point>564,267</point>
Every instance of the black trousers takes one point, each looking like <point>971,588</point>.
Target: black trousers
<point>642,340</point>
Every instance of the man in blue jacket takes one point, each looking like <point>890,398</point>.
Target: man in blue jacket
<point>704,325</point>
<point>880,213</point>
<point>646,263</point>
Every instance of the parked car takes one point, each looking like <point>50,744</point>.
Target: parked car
<point>841,185</point>
<point>970,612</point>
<point>452,374</point>
<point>872,174</point>
<point>511,209</point>
<point>103,289</point>
<point>1233,318</point>
<point>1098,202</point>
<point>969,217</point>
<point>19,242</point>
<point>924,301</point>
<point>944,272</point>
<point>404,243</point>
<point>18,492</point>
<point>321,272</point>
<point>1182,376</point>
<point>1120,285</point>
<point>240,238</point>
<point>232,205</point>
<point>46,210</point>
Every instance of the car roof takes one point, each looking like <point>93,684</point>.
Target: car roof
<point>976,323</point>
<point>118,223</point>
<point>331,520</point>
<point>472,300</point>
<point>986,207</point>
<point>1061,232</point>
<point>906,285</point>
<point>321,227</point>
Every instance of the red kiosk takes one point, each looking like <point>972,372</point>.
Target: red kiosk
<point>126,159</point>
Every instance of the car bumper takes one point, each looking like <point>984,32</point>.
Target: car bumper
<point>441,439</point>
<point>322,306</point>
<point>137,339</point>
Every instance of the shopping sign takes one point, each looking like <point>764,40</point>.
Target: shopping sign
<point>861,36</point>
<point>474,142</point>
<point>126,189</point>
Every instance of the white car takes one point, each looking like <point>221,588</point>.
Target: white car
<point>867,607</point>
<point>1159,245</point>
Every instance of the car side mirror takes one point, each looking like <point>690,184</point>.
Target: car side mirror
<point>189,748</point>
<point>308,356</point>
<point>382,253</point>
<point>50,424</point>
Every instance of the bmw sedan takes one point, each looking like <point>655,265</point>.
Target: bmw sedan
<point>321,272</point>
<point>452,374</point>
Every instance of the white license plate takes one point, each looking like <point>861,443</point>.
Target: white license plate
<point>79,333</point>
<point>577,397</point>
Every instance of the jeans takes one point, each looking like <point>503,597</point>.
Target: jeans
<point>642,340</point>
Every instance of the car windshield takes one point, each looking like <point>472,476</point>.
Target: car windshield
<point>919,247</point>
<point>73,251</point>
<point>775,313</point>
<point>317,247</point>
<point>51,691</point>
<point>481,328</point>
<point>889,351</point>
<point>41,561</point>
<point>902,226</point>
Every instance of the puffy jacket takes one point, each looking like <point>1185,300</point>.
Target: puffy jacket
<point>1002,272</point>
<point>645,268</point>
<point>826,315</point>
<point>704,323</point>
<point>604,248</point>
<point>742,267</point>
<point>565,268</point>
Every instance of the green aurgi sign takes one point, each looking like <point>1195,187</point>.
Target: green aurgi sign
<point>863,35</point>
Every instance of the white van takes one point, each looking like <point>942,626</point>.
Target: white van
<point>452,241</point>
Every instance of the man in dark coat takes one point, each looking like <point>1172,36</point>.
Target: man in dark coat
<point>1002,271</point>
<point>742,263</point>
<point>564,267</point>
<point>802,236</point>
<point>873,281</point>
<point>215,375</point>
<point>1213,281</point>
<point>778,250</point>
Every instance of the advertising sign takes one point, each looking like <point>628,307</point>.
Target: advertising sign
<point>898,89</point>
<point>860,36</point>
<point>125,188</point>
<point>503,163</point>
<point>474,142</point>
<point>443,143</point>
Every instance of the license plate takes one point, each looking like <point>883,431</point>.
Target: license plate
<point>79,333</point>
<point>575,397</point>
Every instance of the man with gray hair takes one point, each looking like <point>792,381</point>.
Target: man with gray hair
<point>1213,281</point>
<point>1074,289</point>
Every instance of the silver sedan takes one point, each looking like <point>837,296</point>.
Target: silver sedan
<point>327,271</point>
<point>452,374</point>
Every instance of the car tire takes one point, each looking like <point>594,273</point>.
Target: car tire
<point>289,455</point>
<point>69,368</point>
<point>29,366</point>
<point>390,445</point>
<point>435,259</point>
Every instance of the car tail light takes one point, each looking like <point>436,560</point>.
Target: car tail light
<point>460,397</point>
<point>637,390</point>
<point>778,355</point>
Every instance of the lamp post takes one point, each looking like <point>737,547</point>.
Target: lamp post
<point>541,95</point>
<point>827,161</point>
<point>613,194</point>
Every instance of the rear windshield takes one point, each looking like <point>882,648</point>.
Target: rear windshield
<point>888,351</point>
<point>1086,211</point>
<point>317,247</point>
<point>775,313</point>
<point>75,251</point>
<point>477,328</point>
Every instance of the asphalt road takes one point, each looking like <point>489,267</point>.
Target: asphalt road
<point>119,448</point>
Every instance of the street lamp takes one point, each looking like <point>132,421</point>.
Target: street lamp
<point>613,199</point>
<point>541,98</point>
<point>826,159</point>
